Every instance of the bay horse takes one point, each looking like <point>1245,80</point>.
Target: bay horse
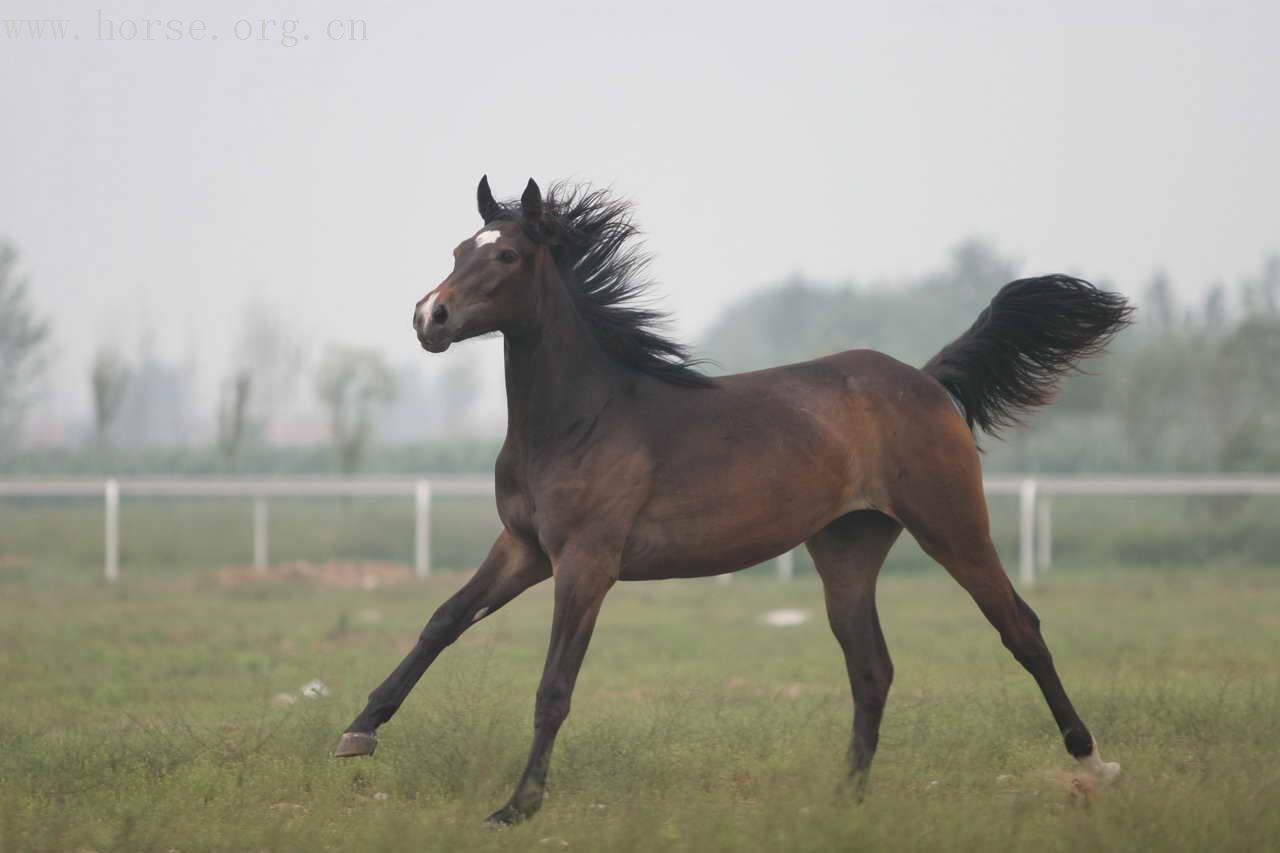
<point>623,461</point>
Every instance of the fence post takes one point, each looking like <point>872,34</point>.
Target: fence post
<point>786,565</point>
<point>260,541</point>
<point>1027,532</point>
<point>1044,535</point>
<point>111,564</point>
<point>422,529</point>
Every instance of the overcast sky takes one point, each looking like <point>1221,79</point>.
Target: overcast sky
<point>156,187</point>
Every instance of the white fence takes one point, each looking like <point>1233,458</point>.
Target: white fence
<point>260,491</point>
<point>1034,494</point>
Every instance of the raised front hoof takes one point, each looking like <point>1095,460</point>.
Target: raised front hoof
<point>354,744</point>
<point>506,816</point>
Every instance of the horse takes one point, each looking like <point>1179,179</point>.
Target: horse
<point>624,461</point>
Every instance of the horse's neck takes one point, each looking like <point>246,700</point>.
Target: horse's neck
<point>555,377</point>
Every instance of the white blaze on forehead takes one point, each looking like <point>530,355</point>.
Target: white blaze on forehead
<point>484,238</point>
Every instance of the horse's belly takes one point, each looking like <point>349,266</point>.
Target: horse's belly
<point>696,562</point>
<point>698,536</point>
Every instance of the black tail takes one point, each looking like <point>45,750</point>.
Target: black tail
<point>1034,330</point>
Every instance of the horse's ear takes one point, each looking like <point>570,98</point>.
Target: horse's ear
<point>531,201</point>
<point>489,209</point>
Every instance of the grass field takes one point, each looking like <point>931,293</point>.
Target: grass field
<point>141,717</point>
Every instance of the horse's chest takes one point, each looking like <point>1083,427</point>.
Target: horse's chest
<point>592,494</point>
<point>518,512</point>
<point>524,509</point>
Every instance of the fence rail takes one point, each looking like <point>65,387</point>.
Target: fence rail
<point>1035,544</point>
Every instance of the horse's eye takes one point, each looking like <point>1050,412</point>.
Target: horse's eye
<point>507,256</point>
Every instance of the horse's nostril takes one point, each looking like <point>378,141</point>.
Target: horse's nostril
<point>439,313</point>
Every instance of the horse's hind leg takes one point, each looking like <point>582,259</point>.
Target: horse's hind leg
<point>848,554</point>
<point>949,520</point>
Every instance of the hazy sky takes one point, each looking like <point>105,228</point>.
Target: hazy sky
<point>156,187</point>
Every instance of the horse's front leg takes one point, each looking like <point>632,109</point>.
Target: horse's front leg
<point>583,577</point>
<point>511,567</point>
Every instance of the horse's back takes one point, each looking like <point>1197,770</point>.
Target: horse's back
<point>855,371</point>
<point>763,460</point>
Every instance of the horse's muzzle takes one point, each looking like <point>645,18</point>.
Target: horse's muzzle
<point>432,326</point>
<point>435,344</point>
<point>434,337</point>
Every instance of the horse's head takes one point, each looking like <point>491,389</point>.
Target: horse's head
<point>492,286</point>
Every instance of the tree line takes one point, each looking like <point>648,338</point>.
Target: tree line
<point>146,398</point>
<point>1191,387</point>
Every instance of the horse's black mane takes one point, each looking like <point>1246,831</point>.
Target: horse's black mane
<point>596,244</point>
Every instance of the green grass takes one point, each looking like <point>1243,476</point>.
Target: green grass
<point>139,717</point>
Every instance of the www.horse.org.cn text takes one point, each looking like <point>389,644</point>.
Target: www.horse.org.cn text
<point>279,32</point>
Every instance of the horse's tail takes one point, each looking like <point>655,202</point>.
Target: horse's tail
<point>1034,331</point>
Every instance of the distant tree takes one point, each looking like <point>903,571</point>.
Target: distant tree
<point>233,417</point>
<point>156,409</point>
<point>798,319</point>
<point>1215,309</point>
<point>976,270</point>
<point>1158,395</point>
<point>23,346</point>
<point>1194,388</point>
<point>1159,309</point>
<point>350,382</point>
<point>1242,396</point>
<point>266,364</point>
<point>1261,295</point>
<point>108,380</point>
<point>270,352</point>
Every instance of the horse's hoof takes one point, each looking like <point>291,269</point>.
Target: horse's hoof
<point>1109,772</point>
<point>852,789</point>
<point>354,744</point>
<point>1103,772</point>
<point>506,816</point>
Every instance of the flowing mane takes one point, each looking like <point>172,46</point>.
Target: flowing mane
<point>596,245</point>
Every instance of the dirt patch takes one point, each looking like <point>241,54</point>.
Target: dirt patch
<point>1079,787</point>
<point>362,574</point>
